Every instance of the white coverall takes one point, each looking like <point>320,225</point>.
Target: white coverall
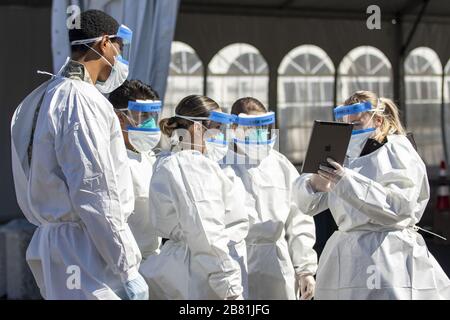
<point>188,194</point>
<point>281,238</point>
<point>141,166</point>
<point>77,190</point>
<point>376,254</point>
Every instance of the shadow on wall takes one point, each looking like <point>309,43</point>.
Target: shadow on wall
<point>28,49</point>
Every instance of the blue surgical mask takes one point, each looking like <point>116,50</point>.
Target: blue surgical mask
<point>258,135</point>
<point>148,124</point>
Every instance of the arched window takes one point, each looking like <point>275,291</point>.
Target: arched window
<point>238,70</point>
<point>423,97</point>
<point>364,68</point>
<point>185,76</point>
<point>305,94</point>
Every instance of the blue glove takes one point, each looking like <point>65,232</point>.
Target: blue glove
<point>137,289</point>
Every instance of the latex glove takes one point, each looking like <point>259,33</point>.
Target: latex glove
<point>239,297</point>
<point>332,175</point>
<point>319,184</point>
<point>136,289</point>
<point>307,286</point>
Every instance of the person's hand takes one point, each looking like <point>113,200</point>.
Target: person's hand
<point>307,286</point>
<point>332,175</point>
<point>319,184</point>
<point>136,289</point>
<point>240,297</point>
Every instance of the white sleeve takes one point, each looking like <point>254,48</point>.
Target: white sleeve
<point>397,194</point>
<point>306,199</point>
<point>201,213</point>
<point>300,235</point>
<point>84,155</point>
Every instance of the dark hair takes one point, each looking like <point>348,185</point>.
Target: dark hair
<point>131,90</point>
<point>94,23</point>
<point>247,105</point>
<point>190,106</point>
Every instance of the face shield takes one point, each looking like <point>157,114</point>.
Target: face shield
<point>218,127</point>
<point>354,114</point>
<point>216,133</point>
<point>255,129</point>
<point>123,37</point>
<point>255,135</point>
<point>143,130</point>
<point>143,115</point>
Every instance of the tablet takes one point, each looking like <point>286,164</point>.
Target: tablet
<point>328,140</point>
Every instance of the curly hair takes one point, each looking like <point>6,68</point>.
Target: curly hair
<point>94,23</point>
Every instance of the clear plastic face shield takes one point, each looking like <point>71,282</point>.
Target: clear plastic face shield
<point>359,114</point>
<point>144,115</point>
<point>218,128</point>
<point>255,129</point>
<point>215,137</point>
<point>254,135</point>
<point>143,130</point>
<point>124,37</point>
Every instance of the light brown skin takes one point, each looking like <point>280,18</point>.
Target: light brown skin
<point>196,131</point>
<point>98,68</point>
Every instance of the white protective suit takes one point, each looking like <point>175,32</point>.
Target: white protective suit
<point>188,195</point>
<point>237,225</point>
<point>281,238</point>
<point>77,190</point>
<point>376,254</point>
<point>141,166</point>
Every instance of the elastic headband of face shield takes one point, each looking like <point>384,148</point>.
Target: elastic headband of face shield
<point>216,116</point>
<point>147,107</point>
<point>124,33</point>
<point>255,120</point>
<point>366,106</point>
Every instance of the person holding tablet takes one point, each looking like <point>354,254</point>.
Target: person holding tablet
<point>376,199</point>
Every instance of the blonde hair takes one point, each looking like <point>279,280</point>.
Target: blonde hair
<point>386,109</point>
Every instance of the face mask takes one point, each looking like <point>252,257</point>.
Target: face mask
<point>144,141</point>
<point>118,75</point>
<point>358,141</point>
<point>216,148</point>
<point>148,124</point>
<point>260,135</point>
<point>255,151</point>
